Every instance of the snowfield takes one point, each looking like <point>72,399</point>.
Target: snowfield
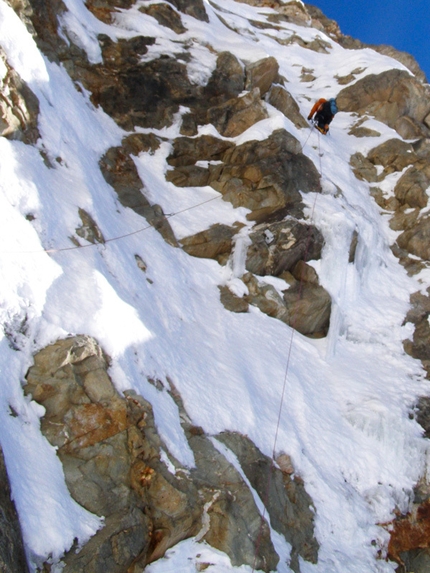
<point>344,401</point>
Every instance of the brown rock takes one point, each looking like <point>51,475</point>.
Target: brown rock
<point>210,244</point>
<point>292,241</point>
<point>309,308</point>
<point>416,241</point>
<point>389,96</point>
<point>283,101</point>
<point>411,188</point>
<point>393,155</point>
<point>232,302</point>
<point>165,16</point>
<point>261,75</point>
<point>235,116</point>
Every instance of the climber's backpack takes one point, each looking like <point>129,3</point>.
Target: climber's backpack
<point>333,106</point>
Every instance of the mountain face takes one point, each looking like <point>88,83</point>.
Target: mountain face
<point>215,335</point>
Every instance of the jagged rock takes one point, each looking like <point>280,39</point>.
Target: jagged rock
<point>321,22</point>
<point>307,75</point>
<point>408,535</point>
<point>416,241</point>
<point>404,217</point>
<point>393,155</point>
<point>187,151</point>
<point>422,148</point>
<point>89,230</point>
<point>304,272</point>
<point>419,347</point>
<point>236,115</point>
<point>283,101</point>
<point>144,94</point>
<point>305,306</point>
<point>111,455</point>
<point>390,96</point>
<point>194,8</point>
<point>291,513</point>
<point>363,168</point>
<point>265,177</point>
<point>213,243</point>
<point>403,57</point>
<point>89,424</point>
<point>119,170</point>
<point>309,308</point>
<point>261,75</point>
<point>265,297</point>
<point>12,555</point>
<point>165,16</point>
<point>231,301</point>
<point>19,107</point>
<point>411,188</point>
<point>227,80</point>
<point>292,242</point>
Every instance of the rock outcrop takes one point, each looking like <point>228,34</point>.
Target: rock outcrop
<point>117,466</point>
<point>12,554</point>
<point>393,97</point>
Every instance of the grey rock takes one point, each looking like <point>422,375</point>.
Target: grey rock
<point>12,554</point>
<point>287,503</point>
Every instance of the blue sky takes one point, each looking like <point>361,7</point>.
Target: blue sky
<point>404,24</point>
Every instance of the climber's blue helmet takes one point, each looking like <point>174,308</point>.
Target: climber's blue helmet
<point>333,106</point>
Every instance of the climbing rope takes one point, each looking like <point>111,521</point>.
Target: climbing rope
<point>111,239</point>
<point>287,367</point>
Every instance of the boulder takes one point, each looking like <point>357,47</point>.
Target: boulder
<point>231,301</point>
<point>292,242</point>
<point>227,80</point>
<point>236,115</point>
<point>283,101</point>
<point>393,155</point>
<point>390,97</point>
<point>411,188</point>
<point>261,75</point>
<point>146,94</point>
<point>416,240</point>
<point>213,243</point>
<point>309,309</point>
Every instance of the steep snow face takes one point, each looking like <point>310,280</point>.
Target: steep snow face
<point>343,402</point>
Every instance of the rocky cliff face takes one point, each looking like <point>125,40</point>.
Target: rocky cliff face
<point>114,460</point>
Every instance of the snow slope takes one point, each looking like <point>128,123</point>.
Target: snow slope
<point>346,399</point>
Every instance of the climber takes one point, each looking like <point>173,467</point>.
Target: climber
<point>324,112</point>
